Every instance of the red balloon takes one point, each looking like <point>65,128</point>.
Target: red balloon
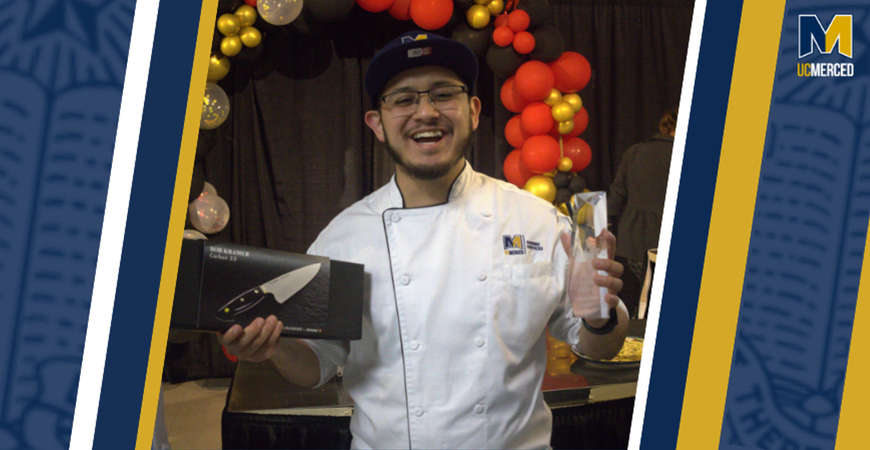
<point>514,170</point>
<point>401,9</point>
<point>251,2</point>
<point>579,151</point>
<point>537,118</point>
<point>500,20</point>
<point>534,80</point>
<point>502,36</point>
<point>581,121</point>
<point>510,99</point>
<point>524,42</point>
<point>571,71</point>
<point>518,20</point>
<point>375,5</point>
<point>513,132</point>
<point>540,153</point>
<point>431,14</point>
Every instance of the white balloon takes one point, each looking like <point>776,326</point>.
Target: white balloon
<point>193,234</point>
<point>215,107</point>
<point>208,188</point>
<point>279,12</point>
<point>209,213</point>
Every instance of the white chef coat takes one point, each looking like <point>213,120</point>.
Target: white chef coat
<point>458,296</point>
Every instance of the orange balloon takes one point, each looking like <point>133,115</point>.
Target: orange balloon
<point>571,71</point>
<point>431,14</point>
<point>513,132</point>
<point>534,80</point>
<point>514,170</point>
<point>509,97</point>
<point>375,5</point>
<point>524,42</point>
<point>502,36</point>
<point>401,10</point>
<point>579,151</point>
<point>536,119</point>
<point>501,20</point>
<point>540,153</point>
<point>518,20</point>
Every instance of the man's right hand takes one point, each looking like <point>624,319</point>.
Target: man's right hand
<point>256,342</point>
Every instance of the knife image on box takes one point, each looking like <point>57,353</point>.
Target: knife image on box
<point>266,298</point>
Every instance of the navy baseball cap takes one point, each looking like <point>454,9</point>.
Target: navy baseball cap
<point>415,49</point>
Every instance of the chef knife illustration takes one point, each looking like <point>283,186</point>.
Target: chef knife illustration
<point>280,289</point>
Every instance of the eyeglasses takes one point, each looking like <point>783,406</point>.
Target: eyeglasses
<point>443,98</point>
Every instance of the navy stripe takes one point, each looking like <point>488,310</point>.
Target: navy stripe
<point>147,222</point>
<point>691,223</point>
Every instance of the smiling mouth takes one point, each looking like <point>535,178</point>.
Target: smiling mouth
<point>428,136</point>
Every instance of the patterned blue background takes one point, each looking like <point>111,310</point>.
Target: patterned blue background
<point>806,249</point>
<point>62,66</point>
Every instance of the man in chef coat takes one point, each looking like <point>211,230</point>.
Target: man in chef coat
<point>464,274</point>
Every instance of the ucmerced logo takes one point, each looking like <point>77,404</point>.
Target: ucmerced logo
<point>813,37</point>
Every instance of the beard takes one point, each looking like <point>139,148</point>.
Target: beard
<point>431,172</point>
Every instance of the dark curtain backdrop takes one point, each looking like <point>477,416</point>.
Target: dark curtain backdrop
<point>295,151</point>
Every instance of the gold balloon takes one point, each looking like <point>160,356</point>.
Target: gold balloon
<point>495,7</point>
<point>554,98</point>
<point>562,112</point>
<point>542,187</point>
<point>478,16</point>
<point>551,173</point>
<point>566,126</point>
<point>565,164</point>
<point>250,36</point>
<point>231,45</point>
<point>574,100</point>
<point>582,214</point>
<point>229,24</point>
<point>218,68</point>
<point>563,208</point>
<point>247,15</point>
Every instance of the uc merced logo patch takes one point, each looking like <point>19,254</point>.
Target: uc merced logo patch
<point>516,244</point>
<point>813,37</point>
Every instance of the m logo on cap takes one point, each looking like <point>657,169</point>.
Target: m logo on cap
<point>419,37</point>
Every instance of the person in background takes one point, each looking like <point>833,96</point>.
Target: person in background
<point>464,274</point>
<point>635,202</point>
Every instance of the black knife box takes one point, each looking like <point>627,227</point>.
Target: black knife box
<point>212,274</point>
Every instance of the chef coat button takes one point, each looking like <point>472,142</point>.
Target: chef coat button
<point>481,277</point>
<point>418,412</point>
<point>405,280</point>
<point>395,218</point>
<point>479,409</point>
<point>478,341</point>
<point>415,345</point>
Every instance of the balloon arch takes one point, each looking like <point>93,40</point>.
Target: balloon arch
<point>515,37</point>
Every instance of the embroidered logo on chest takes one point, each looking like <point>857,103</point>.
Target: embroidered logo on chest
<point>516,244</point>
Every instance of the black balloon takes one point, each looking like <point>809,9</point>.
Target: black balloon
<point>562,179</point>
<point>540,12</point>
<point>328,10</point>
<point>503,61</point>
<point>577,184</point>
<point>476,40</point>
<point>562,196</point>
<point>549,44</point>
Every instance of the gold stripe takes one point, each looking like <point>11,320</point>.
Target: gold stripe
<point>730,224</point>
<point>852,425</point>
<point>177,213</point>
